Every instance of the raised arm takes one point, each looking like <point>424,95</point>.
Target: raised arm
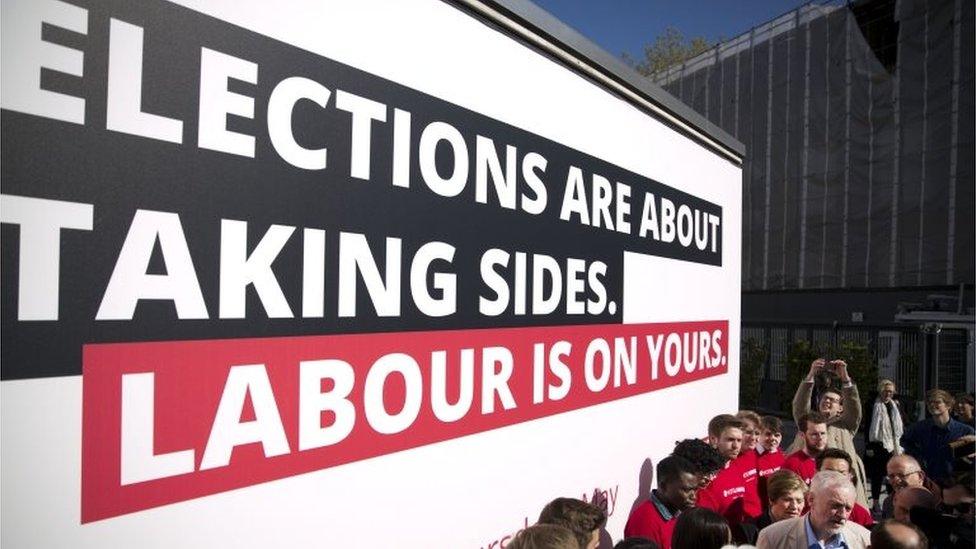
<point>850,418</point>
<point>801,400</point>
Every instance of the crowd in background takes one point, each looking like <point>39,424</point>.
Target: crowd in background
<point>912,488</point>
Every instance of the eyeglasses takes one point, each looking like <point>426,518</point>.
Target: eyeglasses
<point>901,476</point>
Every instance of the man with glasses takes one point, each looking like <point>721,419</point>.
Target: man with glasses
<point>842,410</point>
<point>904,472</point>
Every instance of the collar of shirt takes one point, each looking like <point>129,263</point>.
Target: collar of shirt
<point>835,542</point>
<point>666,514</point>
<point>957,428</point>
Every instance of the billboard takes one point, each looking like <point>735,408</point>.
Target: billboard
<point>274,270</point>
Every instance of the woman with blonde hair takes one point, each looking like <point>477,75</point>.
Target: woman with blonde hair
<point>884,433</point>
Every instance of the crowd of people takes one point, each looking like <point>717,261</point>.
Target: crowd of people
<point>737,487</point>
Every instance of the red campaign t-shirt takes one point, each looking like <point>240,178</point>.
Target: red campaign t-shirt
<point>769,462</point>
<point>802,464</point>
<point>862,516</point>
<point>748,465</point>
<point>726,494</point>
<point>646,522</point>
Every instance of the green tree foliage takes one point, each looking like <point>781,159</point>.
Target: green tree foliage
<point>752,357</point>
<point>860,365</point>
<point>669,48</point>
<point>798,357</point>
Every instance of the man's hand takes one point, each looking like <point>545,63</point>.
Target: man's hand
<point>962,441</point>
<point>815,368</point>
<point>840,367</point>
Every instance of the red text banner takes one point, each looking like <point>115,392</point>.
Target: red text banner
<point>170,421</point>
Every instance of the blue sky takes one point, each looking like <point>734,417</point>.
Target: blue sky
<point>626,25</point>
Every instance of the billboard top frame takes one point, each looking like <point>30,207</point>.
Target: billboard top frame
<point>541,30</point>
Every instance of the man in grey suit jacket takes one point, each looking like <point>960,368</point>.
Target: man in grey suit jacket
<point>832,497</point>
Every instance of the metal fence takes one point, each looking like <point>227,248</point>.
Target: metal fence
<point>915,359</point>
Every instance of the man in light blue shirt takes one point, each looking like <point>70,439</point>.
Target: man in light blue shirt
<point>832,542</point>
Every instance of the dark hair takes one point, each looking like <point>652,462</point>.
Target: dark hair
<point>672,467</point>
<point>772,423</point>
<point>721,422</point>
<point>810,417</point>
<point>706,459</point>
<point>835,453</point>
<point>636,543</point>
<point>966,479</point>
<point>544,536</point>
<point>965,398</point>
<point>577,515</point>
<point>700,528</point>
<point>882,538</point>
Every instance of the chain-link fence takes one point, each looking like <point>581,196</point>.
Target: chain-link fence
<point>915,359</point>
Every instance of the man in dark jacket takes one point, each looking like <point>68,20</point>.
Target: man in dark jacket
<point>928,440</point>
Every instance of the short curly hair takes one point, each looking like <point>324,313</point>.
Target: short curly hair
<point>706,459</point>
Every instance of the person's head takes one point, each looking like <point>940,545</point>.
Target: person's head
<point>813,430</point>
<point>895,534</point>
<point>787,494</point>
<point>835,459</point>
<point>831,403</point>
<point>707,461</point>
<point>700,528</point>
<point>544,536</point>
<point>964,407</point>
<point>959,495</point>
<point>584,519</point>
<point>636,543</point>
<point>771,432</point>
<point>909,497</point>
<point>939,402</point>
<point>677,482</point>
<point>904,470</point>
<point>725,435</point>
<point>750,429</point>
<point>831,500</point>
<point>886,390</point>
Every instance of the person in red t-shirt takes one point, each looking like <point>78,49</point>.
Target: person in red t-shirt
<point>750,431</point>
<point>813,431</point>
<point>748,463</point>
<point>835,459</point>
<point>725,494</point>
<point>654,519</point>
<point>769,458</point>
<point>708,462</point>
